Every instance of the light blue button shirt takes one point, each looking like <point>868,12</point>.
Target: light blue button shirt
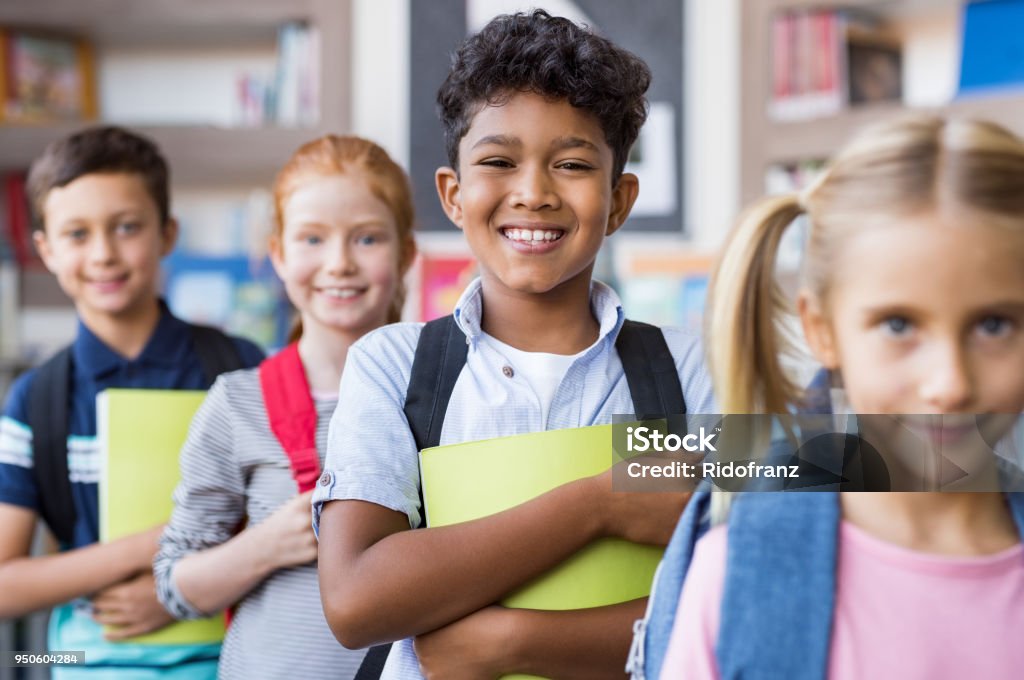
<point>371,453</point>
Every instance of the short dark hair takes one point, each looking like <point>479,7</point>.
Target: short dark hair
<point>552,57</point>
<point>98,150</point>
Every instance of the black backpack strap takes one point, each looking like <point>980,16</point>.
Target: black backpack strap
<point>650,371</point>
<point>440,355</point>
<point>216,351</point>
<point>48,418</point>
<point>373,663</point>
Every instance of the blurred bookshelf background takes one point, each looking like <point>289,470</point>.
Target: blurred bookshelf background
<point>229,88</point>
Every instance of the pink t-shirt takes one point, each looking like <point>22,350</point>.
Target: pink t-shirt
<point>899,613</point>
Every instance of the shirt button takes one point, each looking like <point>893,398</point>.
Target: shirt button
<point>325,479</point>
<point>507,371</point>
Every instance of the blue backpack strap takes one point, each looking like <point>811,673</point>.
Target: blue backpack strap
<point>780,585</point>
<point>652,634</point>
<point>48,418</point>
<point>1016,501</point>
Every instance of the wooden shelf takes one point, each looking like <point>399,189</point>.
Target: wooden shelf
<point>197,155</point>
<point>160,22</point>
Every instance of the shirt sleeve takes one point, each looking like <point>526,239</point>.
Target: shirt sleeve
<point>691,647</point>
<point>371,453</point>
<point>209,502</point>
<point>694,377</point>
<point>17,479</point>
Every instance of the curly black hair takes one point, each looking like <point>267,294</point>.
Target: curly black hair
<point>552,57</point>
<point>98,150</point>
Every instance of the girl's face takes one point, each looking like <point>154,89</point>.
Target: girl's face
<point>926,317</point>
<point>338,254</point>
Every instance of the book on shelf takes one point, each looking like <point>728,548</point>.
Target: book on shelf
<point>290,96</point>
<point>992,57</point>
<point>45,77</point>
<point>141,433</point>
<point>825,60</point>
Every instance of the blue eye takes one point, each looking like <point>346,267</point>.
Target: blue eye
<point>896,325</point>
<point>128,227</point>
<point>994,326</point>
<point>312,240</point>
<point>367,240</point>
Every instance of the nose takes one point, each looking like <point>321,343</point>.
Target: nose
<point>342,261</point>
<point>948,386</point>
<point>534,189</point>
<point>103,249</point>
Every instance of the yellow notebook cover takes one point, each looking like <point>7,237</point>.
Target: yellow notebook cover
<point>466,481</point>
<point>141,433</point>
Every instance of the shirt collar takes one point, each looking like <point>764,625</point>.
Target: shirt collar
<point>167,346</point>
<point>604,304</point>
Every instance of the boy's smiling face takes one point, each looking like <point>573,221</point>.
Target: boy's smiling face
<point>534,193</point>
<point>103,240</point>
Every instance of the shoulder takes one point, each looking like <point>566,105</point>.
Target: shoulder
<point>248,351</point>
<point>390,348</point>
<point>687,350</point>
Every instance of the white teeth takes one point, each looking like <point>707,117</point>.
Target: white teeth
<point>341,292</point>
<point>533,235</point>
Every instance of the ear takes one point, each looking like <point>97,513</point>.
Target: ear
<point>407,254</point>
<point>624,195</point>
<point>276,252</point>
<point>44,248</point>
<point>817,329</point>
<point>449,191</point>
<point>169,236</point>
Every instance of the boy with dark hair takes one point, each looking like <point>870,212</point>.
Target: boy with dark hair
<point>539,117</point>
<point>102,224</point>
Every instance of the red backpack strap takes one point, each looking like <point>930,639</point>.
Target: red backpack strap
<point>292,413</point>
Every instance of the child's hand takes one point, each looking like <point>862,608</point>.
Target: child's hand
<point>144,546</point>
<point>639,516</point>
<point>470,648</point>
<point>288,534</point>
<point>131,606</point>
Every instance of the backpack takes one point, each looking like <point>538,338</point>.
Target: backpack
<point>440,355</point>
<point>48,418</point>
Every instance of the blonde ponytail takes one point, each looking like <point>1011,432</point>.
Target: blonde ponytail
<point>745,303</point>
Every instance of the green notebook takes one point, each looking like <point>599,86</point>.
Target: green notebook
<point>141,433</point>
<point>466,481</point>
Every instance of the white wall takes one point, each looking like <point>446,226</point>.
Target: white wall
<point>380,74</point>
<point>711,127</point>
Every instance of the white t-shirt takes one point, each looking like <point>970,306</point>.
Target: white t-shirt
<point>543,372</point>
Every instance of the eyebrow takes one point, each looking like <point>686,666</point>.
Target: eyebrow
<point>559,144</point>
<point>563,143</point>
<point>500,140</point>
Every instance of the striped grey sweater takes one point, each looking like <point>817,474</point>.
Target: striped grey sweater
<point>232,467</point>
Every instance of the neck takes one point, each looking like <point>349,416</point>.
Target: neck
<point>938,522</point>
<point>126,333</point>
<point>558,321</point>
<point>323,352</point>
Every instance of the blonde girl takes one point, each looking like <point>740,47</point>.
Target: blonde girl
<point>913,298</point>
<point>341,244</point>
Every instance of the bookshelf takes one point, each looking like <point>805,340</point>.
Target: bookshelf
<point>929,32</point>
<point>199,154</point>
